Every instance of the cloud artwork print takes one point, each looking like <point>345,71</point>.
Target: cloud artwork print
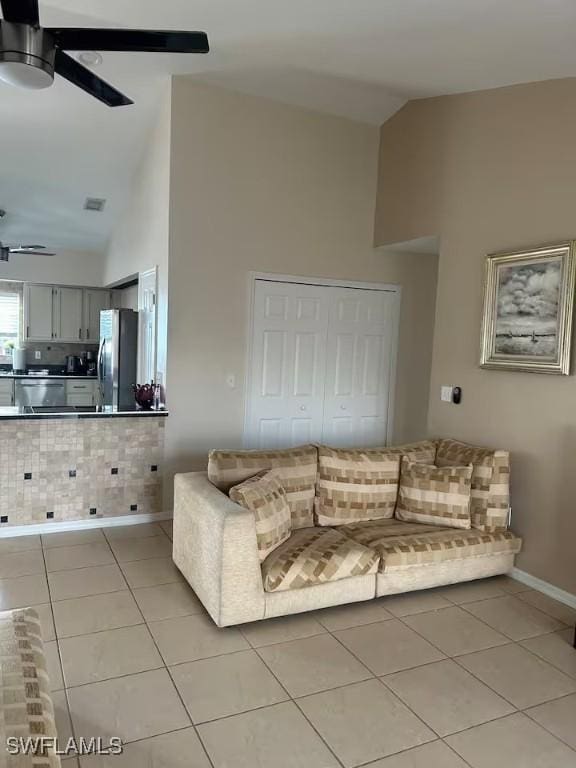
<point>528,310</point>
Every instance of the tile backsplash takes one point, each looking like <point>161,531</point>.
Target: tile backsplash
<point>54,354</point>
<point>50,353</point>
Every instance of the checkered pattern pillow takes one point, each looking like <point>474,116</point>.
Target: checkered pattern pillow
<point>296,468</point>
<point>362,484</point>
<point>490,495</point>
<point>266,497</point>
<point>434,495</point>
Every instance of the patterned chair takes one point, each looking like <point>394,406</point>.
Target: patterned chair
<point>25,705</point>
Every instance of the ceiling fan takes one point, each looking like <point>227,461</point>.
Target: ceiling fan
<point>31,54</point>
<point>31,250</point>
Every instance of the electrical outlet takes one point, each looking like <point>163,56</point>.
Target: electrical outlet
<point>446,394</point>
<point>37,355</point>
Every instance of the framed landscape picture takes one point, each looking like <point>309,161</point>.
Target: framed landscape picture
<point>528,300</point>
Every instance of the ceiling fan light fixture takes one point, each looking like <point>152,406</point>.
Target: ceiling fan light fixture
<point>23,74</point>
<point>26,56</point>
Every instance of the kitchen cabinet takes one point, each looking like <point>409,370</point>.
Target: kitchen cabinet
<point>62,313</point>
<point>38,310</point>
<point>67,314</point>
<point>94,302</point>
<point>81,392</point>
<point>7,392</point>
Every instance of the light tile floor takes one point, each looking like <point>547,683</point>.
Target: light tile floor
<point>473,675</point>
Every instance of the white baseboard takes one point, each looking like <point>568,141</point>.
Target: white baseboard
<point>544,586</point>
<point>82,525</point>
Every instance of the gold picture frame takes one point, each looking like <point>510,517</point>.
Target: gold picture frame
<point>528,306</point>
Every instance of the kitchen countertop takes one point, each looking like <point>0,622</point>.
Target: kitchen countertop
<point>93,412</point>
<point>11,375</point>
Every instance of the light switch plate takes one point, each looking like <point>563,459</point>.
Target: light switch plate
<point>446,393</point>
<point>38,355</point>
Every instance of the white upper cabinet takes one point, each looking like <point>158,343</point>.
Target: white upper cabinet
<point>67,315</point>
<point>38,309</point>
<point>59,313</point>
<point>94,302</point>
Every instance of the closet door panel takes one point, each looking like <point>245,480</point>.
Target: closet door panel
<point>286,391</point>
<point>359,355</point>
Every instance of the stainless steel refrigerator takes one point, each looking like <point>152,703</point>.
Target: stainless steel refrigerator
<point>117,357</point>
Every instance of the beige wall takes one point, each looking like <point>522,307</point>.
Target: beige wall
<point>64,268</point>
<point>140,239</point>
<point>492,171</point>
<point>257,185</point>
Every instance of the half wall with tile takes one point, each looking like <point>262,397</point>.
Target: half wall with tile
<point>79,469</point>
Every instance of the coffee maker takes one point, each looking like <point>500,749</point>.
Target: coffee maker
<point>73,365</point>
<point>90,363</point>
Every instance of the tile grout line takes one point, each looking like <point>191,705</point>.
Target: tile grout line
<point>194,726</point>
<point>347,649</point>
<point>329,632</point>
<point>527,714</point>
<point>373,675</point>
<point>523,602</point>
<point>512,642</point>
<point>176,689</point>
<point>65,690</point>
<point>454,659</point>
<point>291,698</point>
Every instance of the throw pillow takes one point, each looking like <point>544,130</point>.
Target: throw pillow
<point>266,497</point>
<point>295,467</point>
<point>434,495</point>
<point>356,484</point>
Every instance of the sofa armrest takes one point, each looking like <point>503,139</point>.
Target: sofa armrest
<point>215,549</point>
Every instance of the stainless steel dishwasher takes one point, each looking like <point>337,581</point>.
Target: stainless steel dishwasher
<point>40,392</point>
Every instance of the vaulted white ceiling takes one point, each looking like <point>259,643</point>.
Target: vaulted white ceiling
<point>362,59</point>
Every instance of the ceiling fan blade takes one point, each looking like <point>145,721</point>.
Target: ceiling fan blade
<point>74,72</point>
<point>31,251</point>
<point>20,11</point>
<point>157,41</point>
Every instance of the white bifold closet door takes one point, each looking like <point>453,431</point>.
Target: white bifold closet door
<point>321,365</point>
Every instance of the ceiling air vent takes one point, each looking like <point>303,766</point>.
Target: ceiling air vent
<point>94,204</point>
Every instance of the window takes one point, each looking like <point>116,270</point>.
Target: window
<point>9,319</point>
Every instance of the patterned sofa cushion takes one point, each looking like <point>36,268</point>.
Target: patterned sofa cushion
<point>316,556</point>
<point>434,495</point>
<point>400,544</point>
<point>490,489</point>
<point>296,468</point>
<point>266,497</point>
<point>25,705</point>
<point>362,484</point>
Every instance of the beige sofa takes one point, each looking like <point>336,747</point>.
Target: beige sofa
<point>215,544</point>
